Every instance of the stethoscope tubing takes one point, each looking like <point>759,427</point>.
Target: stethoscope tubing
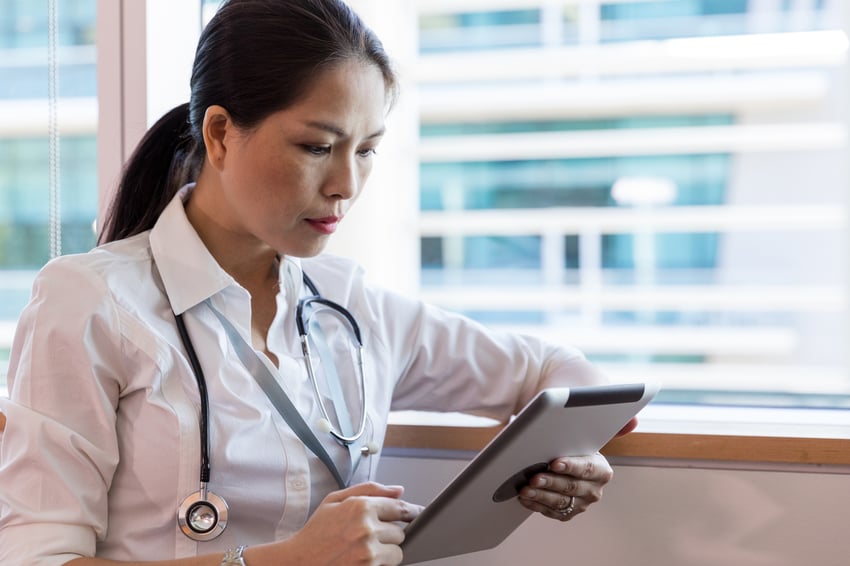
<point>204,396</point>
<point>300,322</point>
<point>339,436</point>
<point>302,327</point>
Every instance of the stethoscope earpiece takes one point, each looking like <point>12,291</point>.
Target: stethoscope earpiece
<point>203,515</point>
<point>370,447</point>
<point>324,425</point>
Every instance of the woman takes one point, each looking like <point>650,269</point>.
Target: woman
<point>183,325</point>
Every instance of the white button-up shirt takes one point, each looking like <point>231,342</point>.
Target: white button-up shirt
<point>103,444</point>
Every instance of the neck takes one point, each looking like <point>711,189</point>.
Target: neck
<point>251,262</point>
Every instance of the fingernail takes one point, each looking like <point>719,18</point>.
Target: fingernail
<point>531,493</point>
<point>559,466</point>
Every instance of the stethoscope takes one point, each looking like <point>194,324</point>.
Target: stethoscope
<point>202,515</point>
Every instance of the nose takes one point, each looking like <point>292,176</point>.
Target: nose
<point>344,180</point>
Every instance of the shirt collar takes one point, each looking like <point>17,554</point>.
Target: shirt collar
<point>291,278</point>
<point>190,274</point>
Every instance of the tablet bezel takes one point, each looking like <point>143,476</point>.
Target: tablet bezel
<point>563,421</point>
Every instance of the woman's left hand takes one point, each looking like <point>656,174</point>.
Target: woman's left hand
<point>568,488</point>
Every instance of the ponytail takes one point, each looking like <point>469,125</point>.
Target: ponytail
<point>166,158</point>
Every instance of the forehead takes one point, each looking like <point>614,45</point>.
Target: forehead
<point>350,90</point>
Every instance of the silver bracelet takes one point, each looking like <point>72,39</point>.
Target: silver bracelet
<point>233,557</point>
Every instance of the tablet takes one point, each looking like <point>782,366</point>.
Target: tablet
<point>479,508</point>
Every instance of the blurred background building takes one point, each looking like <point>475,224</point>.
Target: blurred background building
<point>47,205</point>
<point>661,183</point>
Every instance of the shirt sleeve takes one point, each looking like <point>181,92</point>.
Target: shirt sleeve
<point>448,362</point>
<point>59,451</point>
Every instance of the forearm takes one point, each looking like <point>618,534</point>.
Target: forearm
<point>576,370</point>
<point>206,560</point>
<point>276,553</point>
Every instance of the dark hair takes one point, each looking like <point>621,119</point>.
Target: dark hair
<point>254,58</point>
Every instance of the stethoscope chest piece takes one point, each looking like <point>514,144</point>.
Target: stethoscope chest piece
<point>202,516</point>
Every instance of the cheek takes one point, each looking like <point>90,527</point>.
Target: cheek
<point>364,171</point>
<point>274,180</point>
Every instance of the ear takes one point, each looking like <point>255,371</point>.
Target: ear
<point>218,129</point>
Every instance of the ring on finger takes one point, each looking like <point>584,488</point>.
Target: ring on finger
<point>569,508</point>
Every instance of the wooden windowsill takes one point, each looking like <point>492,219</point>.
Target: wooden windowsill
<point>684,447</point>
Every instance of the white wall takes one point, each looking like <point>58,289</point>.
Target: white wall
<point>670,516</point>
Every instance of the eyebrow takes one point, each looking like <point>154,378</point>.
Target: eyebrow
<point>339,132</point>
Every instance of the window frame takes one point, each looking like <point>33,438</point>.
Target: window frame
<point>720,451</point>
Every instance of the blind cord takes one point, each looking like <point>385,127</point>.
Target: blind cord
<point>54,220</point>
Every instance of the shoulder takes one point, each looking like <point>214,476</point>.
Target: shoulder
<point>103,267</point>
<point>93,284</point>
<point>346,282</point>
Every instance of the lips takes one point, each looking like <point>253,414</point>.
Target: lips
<point>324,225</point>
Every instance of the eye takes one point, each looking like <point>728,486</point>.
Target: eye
<point>317,149</point>
<point>367,152</point>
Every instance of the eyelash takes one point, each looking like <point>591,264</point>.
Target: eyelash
<point>319,150</point>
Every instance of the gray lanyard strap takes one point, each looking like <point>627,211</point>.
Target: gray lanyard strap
<point>250,359</point>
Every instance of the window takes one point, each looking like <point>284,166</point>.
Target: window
<point>45,207</point>
<point>660,183</point>
<point>664,188</point>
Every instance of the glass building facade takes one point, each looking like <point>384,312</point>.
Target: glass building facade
<point>697,292</point>
<point>25,180</point>
<point>661,183</point>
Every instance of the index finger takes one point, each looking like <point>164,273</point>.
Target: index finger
<point>392,510</point>
<point>371,489</point>
<point>583,467</point>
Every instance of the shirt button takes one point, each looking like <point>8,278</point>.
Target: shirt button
<point>298,483</point>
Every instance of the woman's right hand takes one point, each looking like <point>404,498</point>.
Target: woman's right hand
<point>362,524</point>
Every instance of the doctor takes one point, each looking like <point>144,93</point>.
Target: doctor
<point>206,387</point>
